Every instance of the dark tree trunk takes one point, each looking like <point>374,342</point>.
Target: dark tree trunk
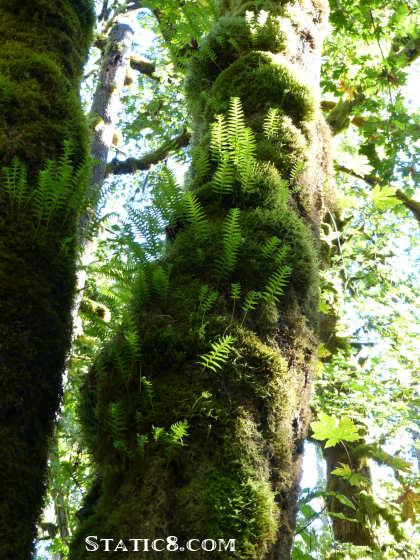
<point>42,52</point>
<point>237,477</point>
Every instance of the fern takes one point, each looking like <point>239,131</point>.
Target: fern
<point>251,301</point>
<point>117,423</point>
<point>142,440</point>
<point>15,183</point>
<point>232,240</point>
<point>271,123</point>
<point>269,247</point>
<point>60,190</point>
<point>160,283</point>
<point>236,122</point>
<point>281,254</point>
<point>206,299</point>
<point>168,196</point>
<point>274,288</point>
<point>233,147</point>
<point>149,227</point>
<point>218,138</point>
<point>219,354</point>
<point>174,438</point>
<point>245,159</point>
<point>131,337</point>
<point>195,215</point>
<point>200,163</point>
<point>223,177</point>
<point>295,170</point>
<point>235,291</point>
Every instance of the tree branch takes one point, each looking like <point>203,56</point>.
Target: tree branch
<point>142,65</point>
<point>369,179</point>
<point>131,165</point>
<point>412,205</point>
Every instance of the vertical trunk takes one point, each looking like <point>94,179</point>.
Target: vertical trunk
<point>42,53</point>
<point>238,473</point>
<point>103,118</point>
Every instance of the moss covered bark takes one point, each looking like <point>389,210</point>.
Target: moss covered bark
<point>43,47</point>
<point>235,474</point>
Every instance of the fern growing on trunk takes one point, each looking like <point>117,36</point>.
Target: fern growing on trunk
<point>243,228</point>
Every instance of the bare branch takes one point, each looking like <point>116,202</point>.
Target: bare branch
<point>131,165</point>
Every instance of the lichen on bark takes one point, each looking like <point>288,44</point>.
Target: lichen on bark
<point>238,473</point>
<point>43,49</point>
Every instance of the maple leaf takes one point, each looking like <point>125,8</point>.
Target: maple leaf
<point>410,501</point>
<point>334,430</point>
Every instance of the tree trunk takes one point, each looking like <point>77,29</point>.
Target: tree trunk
<point>103,118</point>
<point>236,474</point>
<point>42,53</point>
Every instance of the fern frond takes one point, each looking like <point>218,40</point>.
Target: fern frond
<point>235,291</point>
<point>223,177</point>
<point>236,120</point>
<point>269,247</point>
<point>160,283</point>
<point>178,431</point>
<point>117,422</point>
<point>168,196</point>
<point>271,123</point>
<point>251,301</point>
<point>274,288</point>
<point>282,254</point>
<point>206,299</point>
<point>200,162</point>
<point>219,354</point>
<point>142,440</point>
<point>246,160</point>
<point>232,240</point>
<point>295,170</point>
<point>195,215</point>
<point>149,227</point>
<point>218,138</point>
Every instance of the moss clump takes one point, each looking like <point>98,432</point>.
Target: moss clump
<point>275,84</point>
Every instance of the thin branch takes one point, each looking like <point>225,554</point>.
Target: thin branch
<point>369,179</point>
<point>131,165</point>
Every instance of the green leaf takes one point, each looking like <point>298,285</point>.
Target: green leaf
<point>334,430</point>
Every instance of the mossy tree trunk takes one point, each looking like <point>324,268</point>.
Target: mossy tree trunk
<point>237,474</point>
<point>42,53</point>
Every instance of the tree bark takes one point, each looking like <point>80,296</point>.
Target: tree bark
<point>103,119</point>
<point>237,476</point>
<point>43,50</point>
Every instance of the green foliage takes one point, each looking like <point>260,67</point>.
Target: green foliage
<point>334,430</point>
<point>117,422</point>
<point>219,354</point>
<point>232,239</point>
<point>60,194</point>
<point>233,147</point>
<point>274,287</point>
<point>195,215</point>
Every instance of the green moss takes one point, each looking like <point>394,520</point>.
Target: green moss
<point>236,476</point>
<point>44,47</point>
<point>275,85</point>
